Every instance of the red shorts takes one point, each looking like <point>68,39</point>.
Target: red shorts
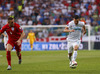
<point>12,43</point>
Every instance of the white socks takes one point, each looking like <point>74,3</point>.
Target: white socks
<point>74,56</point>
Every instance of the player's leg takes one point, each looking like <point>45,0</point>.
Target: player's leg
<point>31,44</point>
<point>75,47</point>
<point>8,55</point>
<point>70,58</point>
<point>18,52</point>
<point>70,49</point>
<point>75,52</point>
<point>19,56</point>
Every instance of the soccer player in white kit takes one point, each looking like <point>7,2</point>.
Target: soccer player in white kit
<point>74,38</point>
<point>5,39</point>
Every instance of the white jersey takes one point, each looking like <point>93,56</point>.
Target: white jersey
<point>76,35</point>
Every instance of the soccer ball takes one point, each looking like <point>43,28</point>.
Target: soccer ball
<point>73,65</point>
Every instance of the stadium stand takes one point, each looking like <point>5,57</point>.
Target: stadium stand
<point>50,12</point>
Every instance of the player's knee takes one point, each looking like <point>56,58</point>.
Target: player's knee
<point>76,48</point>
<point>70,54</point>
<point>9,47</point>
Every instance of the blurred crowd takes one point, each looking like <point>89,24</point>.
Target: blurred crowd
<point>50,12</point>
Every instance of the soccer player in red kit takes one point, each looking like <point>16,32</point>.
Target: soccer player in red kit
<point>15,36</point>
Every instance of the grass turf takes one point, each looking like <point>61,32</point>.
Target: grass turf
<point>51,62</point>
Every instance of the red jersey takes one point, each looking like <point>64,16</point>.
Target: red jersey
<point>13,33</point>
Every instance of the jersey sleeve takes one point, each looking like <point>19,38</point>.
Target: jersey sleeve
<point>3,29</point>
<point>69,25</point>
<point>19,28</point>
<point>83,24</point>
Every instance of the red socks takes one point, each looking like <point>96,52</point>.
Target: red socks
<point>19,56</point>
<point>8,56</point>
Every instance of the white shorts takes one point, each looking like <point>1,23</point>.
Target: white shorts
<point>71,45</point>
<point>5,41</point>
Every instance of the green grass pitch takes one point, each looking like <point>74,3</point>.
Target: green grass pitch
<point>51,62</point>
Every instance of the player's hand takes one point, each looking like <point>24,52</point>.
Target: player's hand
<point>5,35</point>
<point>72,30</point>
<point>18,42</point>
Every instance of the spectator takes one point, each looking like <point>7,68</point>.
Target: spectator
<point>98,21</point>
<point>88,21</point>
<point>24,21</point>
<point>40,34</point>
<point>45,33</point>
<point>97,30</point>
<point>19,21</point>
<point>30,22</point>
<point>0,8</point>
<point>52,12</point>
<point>20,9</point>
<point>38,17</point>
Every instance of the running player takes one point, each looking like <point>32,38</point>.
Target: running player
<point>75,30</point>
<point>31,37</point>
<point>15,36</point>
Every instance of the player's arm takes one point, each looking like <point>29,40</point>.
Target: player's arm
<point>84,30</point>
<point>4,34</point>
<point>20,31</point>
<point>67,30</point>
<point>22,34</point>
<point>21,37</point>
<point>2,30</point>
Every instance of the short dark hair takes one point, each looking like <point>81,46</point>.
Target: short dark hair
<point>76,17</point>
<point>10,18</point>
